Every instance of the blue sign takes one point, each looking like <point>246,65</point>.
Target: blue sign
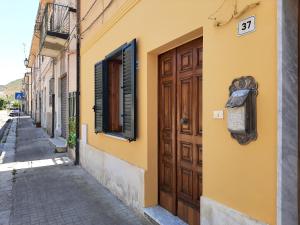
<point>19,95</point>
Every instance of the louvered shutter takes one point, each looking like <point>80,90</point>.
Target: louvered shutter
<point>129,90</point>
<point>99,97</point>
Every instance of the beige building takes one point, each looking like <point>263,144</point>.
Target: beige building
<point>27,90</point>
<point>52,59</point>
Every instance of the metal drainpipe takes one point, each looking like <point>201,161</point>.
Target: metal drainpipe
<point>53,99</point>
<point>31,92</point>
<point>77,84</point>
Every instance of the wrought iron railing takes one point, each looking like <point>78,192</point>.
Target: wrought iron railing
<point>56,22</point>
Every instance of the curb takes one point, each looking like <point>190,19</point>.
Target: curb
<point>3,133</point>
<point>6,176</point>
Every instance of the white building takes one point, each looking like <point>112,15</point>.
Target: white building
<point>52,60</point>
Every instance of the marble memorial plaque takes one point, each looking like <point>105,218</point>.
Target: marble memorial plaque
<point>236,119</point>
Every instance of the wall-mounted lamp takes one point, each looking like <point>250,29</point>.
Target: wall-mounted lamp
<point>26,62</point>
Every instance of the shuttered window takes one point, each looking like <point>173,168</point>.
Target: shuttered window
<point>123,94</point>
<point>99,97</point>
<point>72,104</point>
<point>129,92</point>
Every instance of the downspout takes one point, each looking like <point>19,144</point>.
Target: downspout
<point>53,99</point>
<point>31,75</point>
<point>77,85</point>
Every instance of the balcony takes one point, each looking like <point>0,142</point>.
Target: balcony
<point>55,29</point>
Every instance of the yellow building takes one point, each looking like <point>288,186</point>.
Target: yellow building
<point>155,78</point>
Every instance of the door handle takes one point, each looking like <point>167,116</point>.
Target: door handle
<point>184,121</point>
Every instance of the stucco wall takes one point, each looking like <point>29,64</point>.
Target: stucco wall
<point>241,177</point>
<point>124,180</point>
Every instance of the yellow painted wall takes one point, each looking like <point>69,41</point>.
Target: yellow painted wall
<point>241,177</point>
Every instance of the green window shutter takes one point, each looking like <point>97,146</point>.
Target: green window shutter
<point>70,100</point>
<point>129,90</point>
<point>74,104</point>
<point>99,97</point>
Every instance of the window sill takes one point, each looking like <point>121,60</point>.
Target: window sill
<point>111,135</point>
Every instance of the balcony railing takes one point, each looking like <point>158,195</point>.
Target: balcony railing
<point>55,28</point>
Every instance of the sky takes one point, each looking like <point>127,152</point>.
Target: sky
<point>17,19</point>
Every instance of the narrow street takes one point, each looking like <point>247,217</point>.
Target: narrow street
<point>48,189</point>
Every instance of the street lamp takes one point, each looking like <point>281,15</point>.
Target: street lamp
<point>26,62</point>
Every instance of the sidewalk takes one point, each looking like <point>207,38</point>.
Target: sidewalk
<point>49,190</point>
<point>3,117</point>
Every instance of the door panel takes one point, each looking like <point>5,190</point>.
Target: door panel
<point>167,131</point>
<point>189,136</point>
<point>180,131</point>
<point>185,96</point>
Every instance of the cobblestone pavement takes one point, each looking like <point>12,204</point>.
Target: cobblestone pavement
<point>49,190</point>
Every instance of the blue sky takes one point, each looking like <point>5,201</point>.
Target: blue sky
<point>17,22</point>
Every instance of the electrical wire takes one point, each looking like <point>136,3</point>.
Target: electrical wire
<point>46,67</point>
<point>95,20</point>
<point>218,9</point>
<point>67,44</point>
<point>24,46</point>
<point>90,9</point>
<point>235,13</point>
<point>252,5</point>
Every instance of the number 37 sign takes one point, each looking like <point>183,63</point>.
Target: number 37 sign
<point>246,26</point>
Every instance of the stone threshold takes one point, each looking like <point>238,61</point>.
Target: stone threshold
<point>59,143</point>
<point>161,216</point>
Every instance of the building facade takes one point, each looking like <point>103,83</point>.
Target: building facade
<point>157,125</point>
<point>27,90</point>
<point>186,107</point>
<point>52,60</point>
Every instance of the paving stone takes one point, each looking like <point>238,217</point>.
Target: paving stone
<point>60,194</point>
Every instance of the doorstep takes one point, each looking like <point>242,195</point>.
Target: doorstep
<point>59,143</point>
<point>161,216</point>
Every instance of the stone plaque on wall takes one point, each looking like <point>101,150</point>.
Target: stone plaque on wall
<point>236,119</point>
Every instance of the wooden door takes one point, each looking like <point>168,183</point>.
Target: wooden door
<point>167,131</point>
<point>180,127</point>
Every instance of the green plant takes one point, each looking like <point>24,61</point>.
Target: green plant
<point>3,103</point>
<point>16,104</point>
<point>72,132</point>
